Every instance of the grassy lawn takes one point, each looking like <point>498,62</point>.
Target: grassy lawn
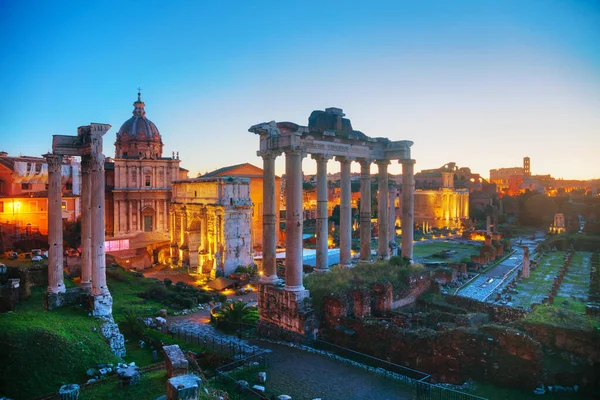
<point>536,287</point>
<point>43,350</point>
<point>152,385</point>
<point>574,289</point>
<point>422,251</point>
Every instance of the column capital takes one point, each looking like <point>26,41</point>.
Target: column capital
<point>269,154</point>
<point>364,162</point>
<point>382,162</point>
<point>54,162</point>
<point>407,162</point>
<point>321,157</point>
<point>296,151</point>
<point>344,159</point>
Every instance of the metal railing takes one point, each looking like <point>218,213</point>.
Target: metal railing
<point>420,381</point>
<point>225,380</point>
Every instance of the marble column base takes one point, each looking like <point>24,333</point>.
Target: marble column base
<point>297,288</point>
<point>271,279</point>
<point>86,286</point>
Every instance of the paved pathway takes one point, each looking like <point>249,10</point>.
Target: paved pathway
<point>305,376</point>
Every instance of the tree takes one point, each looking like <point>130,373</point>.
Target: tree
<point>539,209</point>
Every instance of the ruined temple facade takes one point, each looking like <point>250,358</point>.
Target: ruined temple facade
<point>328,136</point>
<point>143,178</point>
<point>211,224</point>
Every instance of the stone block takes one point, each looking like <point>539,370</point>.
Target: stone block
<point>262,377</point>
<point>258,388</point>
<point>129,375</point>
<point>175,361</point>
<point>101,305</point>
<point>183,387</point>
<point>69,392</point>
<point>284,397</point>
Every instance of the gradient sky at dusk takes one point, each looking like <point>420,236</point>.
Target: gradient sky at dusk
<point>481,83</point>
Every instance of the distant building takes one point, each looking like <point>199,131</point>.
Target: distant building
<point>255,174</point>
<point>24,193</point>
<point>211,224</point>
<point>141,178</point>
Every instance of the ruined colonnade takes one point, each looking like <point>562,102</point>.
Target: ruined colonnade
<point>88,145</point>
<point>345,147</point>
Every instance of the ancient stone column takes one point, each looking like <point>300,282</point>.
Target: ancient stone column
<point>408,207</point>
<point>392,213</point>
<point>86,223</point>
<point>383,249</point>
<point>322,263</point>
<point>526,263</point>
<point>55,225</point>
<point>294,220</point>
<point>345,213</point>
<point>102,301</point>
<point>365,210</point>
<point>269,239</point>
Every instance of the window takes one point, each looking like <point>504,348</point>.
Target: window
<point>69,186</point>
<point>1,206</point>
<point>64,205</point>
<point>147,180</point>
<point>25,186</point>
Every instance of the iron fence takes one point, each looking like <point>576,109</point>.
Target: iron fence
<point>415,379</point>
<point>231,383</point>
<point>218,345</point>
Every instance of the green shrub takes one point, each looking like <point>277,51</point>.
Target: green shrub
<point>157,292</point>
<point>221,297</point>
<point>167,282</point>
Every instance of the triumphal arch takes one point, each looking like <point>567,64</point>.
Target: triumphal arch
<point>328,136</point>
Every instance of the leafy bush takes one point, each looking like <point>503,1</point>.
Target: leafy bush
<point>247,269</point>
<point>167,282</point>
<point>221,297</point>
<point>157,292</point>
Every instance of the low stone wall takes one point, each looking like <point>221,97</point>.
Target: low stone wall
<point>498,313</point>
<point>579,342</point>
<point>286,309</point>
<point>496,354</point>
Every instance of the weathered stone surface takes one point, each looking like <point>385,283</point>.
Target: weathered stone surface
<point>262,377</point>
<point>101,305</point>
<point>69,392</point>
<point>287,309</point>
<point>183,387</point>
<point>110,330</point>
<point>129,375</point>
<point>175,361</point>
<point>258,388</point>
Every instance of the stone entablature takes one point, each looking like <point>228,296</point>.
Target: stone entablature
<point>211,224</point>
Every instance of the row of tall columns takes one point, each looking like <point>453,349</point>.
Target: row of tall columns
<point>322,218</point>
<point>55,228</point>
<point>294,214</point>
<point>269,262</point>
<point>365,210</point>
<point>392,213</point>
<point>408,207</point>
<point>294,220</point>
<point>97,229</point>
<point>93,269</point>
<point>383,249</point>
<point>345,213</point>
<point>86,223</point>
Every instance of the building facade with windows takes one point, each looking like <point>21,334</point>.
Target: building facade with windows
<point>24,194</point>
<point>141,178</point>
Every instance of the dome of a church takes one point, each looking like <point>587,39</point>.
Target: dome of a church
<point>138,137</point>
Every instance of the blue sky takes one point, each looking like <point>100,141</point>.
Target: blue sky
<point>481,83</point>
